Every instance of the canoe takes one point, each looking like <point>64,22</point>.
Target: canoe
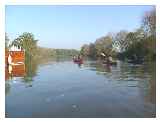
<point>78,60</point>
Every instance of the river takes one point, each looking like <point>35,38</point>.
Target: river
<point>62,88</point>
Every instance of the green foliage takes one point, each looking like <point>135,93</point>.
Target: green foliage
<point>92,50</point>
<point>49,53</point>
<point>27,42</point>
<point>101,45</point>
<point>144,49</point>
<point>45,53</point>
<point>104,45</point>
<point>30,68</point>
<point>142,43</point>
<point>138,45</point>
<point>66,52</point>
<point>119,42</point>
<point>85,50</point>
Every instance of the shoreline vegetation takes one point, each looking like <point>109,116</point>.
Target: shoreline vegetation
<point>52,83</point>
<point>137,46</point>
<point>27,42</point>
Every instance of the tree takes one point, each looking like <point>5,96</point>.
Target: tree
<point>119,42</point>
<point>149,26</point>
<point>104,45</point>
<point>27,42</point>
<point>139,45</point>
<point>130,39</point>
<point>92,50</point>
<point>149,22</point>
<point>85,50</point>
<point>150,46</point>
<point>143,48</point>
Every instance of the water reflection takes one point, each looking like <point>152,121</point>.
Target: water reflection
<point>91,89</point>
<point>78,64</point>
<point>142,76</point>
<point>151,91</point>
<point>31,66</point>
<point>100,68</point>
<point>24,71</point>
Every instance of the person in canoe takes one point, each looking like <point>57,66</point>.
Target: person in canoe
<point>74,58</point>
<point>78,59</point>
<point>110,60</point>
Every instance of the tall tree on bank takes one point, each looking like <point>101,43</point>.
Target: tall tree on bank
<point>149,26</point>
<point>27,42</point>
<point>149,22</point>
<point>137,45</point>
<point>104,45</point>
<point>119,42</point>
<point>85,50</point>
<point>144,39</point>
<point>92,50</point>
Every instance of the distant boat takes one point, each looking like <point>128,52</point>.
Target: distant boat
<point>79,61</point>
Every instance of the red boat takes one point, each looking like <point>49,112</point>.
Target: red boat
<point>79,61</point>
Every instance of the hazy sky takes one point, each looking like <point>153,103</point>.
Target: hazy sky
<point>71,26</point>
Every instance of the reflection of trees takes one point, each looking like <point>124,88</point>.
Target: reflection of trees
<point>7,87</point>
<point>31,65</point>
<point>100,67</point>
<point>147,85</point>
<point>7,84</point>
<point>142,76</point>
<point>146,77</point>
<point>151,94</point>
<point>103,68</point>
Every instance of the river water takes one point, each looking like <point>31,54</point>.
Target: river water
<point>64,89</point>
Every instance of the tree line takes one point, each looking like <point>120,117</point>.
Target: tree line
<point>27,42</point>
<point>137,45</point>
<point>35,54</point>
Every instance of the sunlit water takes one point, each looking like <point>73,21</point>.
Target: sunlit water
<point>65,89</point>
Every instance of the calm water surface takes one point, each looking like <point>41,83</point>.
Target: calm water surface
<point>65,89</point>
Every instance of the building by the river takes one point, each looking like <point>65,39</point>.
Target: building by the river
<point>15,61</point>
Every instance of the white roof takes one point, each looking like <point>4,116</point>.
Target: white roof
<point>14,48</point>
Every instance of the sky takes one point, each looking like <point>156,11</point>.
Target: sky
<point>71,26</point>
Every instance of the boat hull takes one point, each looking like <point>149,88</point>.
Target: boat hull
<point>78,61</point>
